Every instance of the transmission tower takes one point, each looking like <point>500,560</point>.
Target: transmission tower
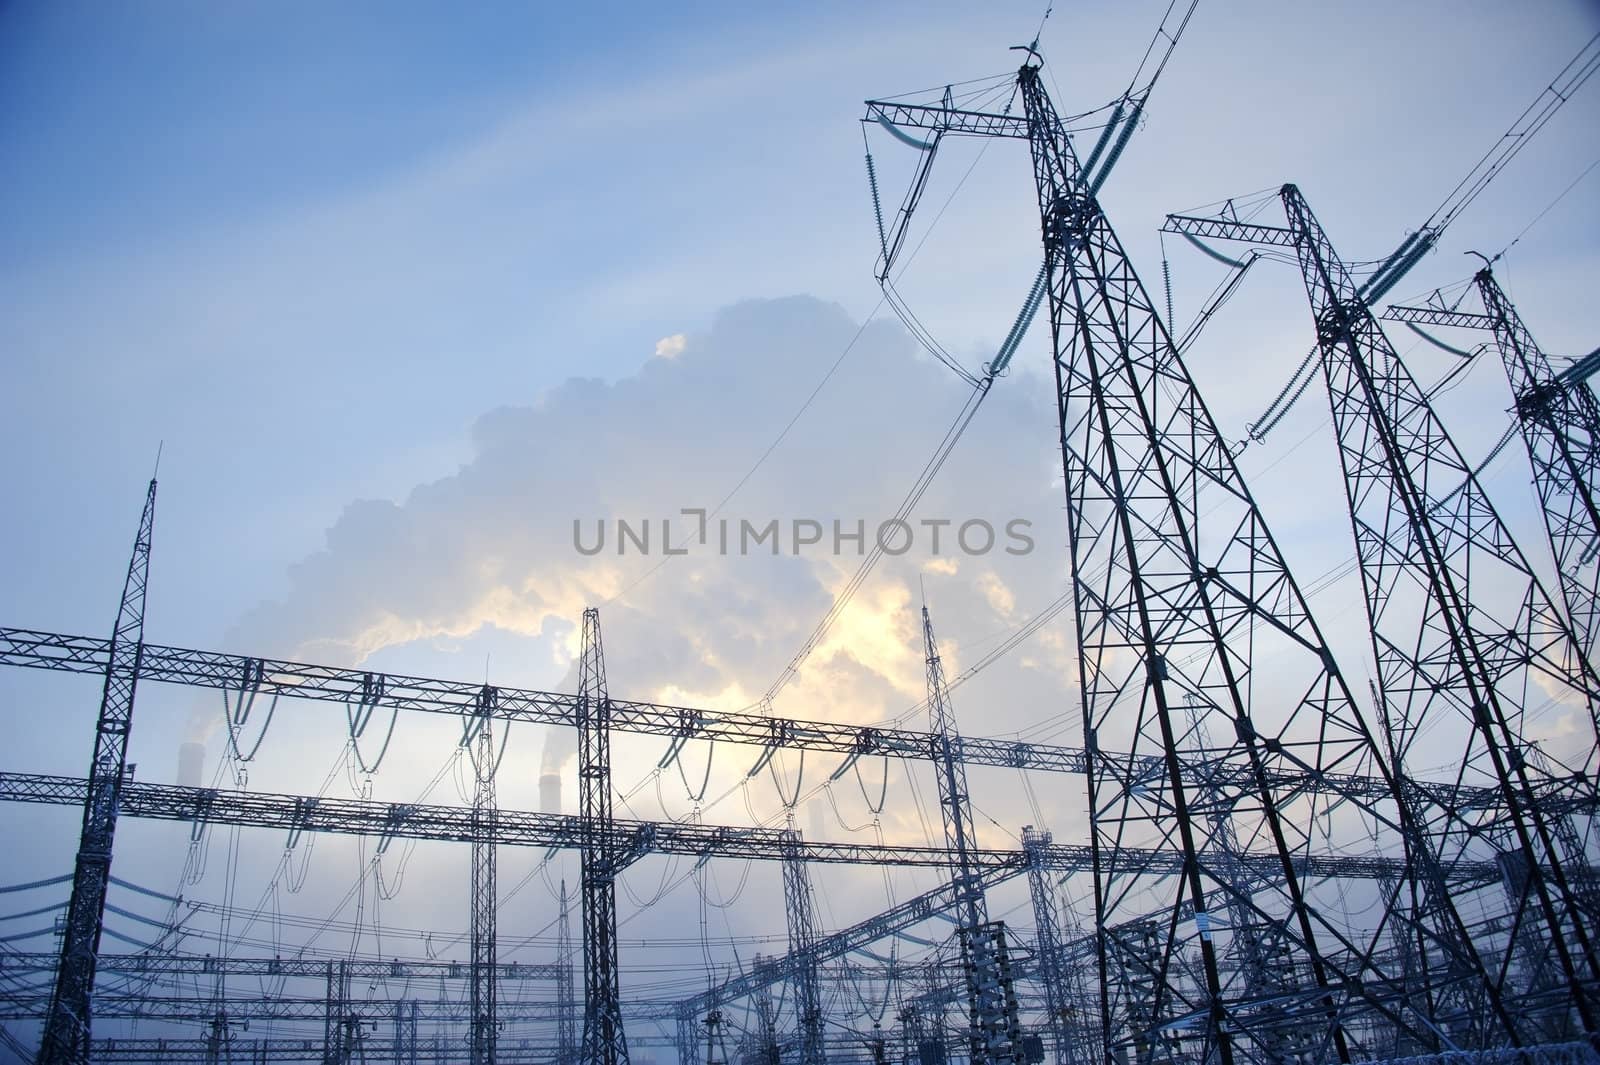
<point>485,895</point>
<point>340,1028</point>
<point>687,1037</point>
<point>801,915</point>
<point>1420,516</point>
<point>405,1032</point>
<point>716,1045</point>
<point>66,1029</point>
<point>603,1039</point>
<point>1466,644</point>
<point>912,1034</point>
<point>1179,589</point>
<point>219,1039</point>
<point>763,1039</point>
<point>1051,972</point>
<point>1560,423</point>
<point>993,1032</point>
<point>566,1029</point>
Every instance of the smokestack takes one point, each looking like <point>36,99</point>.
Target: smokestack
<point>560,747</point>
<point>191,764</point>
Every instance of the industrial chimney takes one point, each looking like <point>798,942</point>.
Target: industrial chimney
<point>550,792</point>
<point>191,764</point>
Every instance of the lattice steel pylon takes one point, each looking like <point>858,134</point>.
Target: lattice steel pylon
<point>485,894</point>
<point>1049,965</point>
<point>66,1029</point>
<point>1449,651</point>
<point>1179,590</point>
<point>801,917</point>
<point>1559,420</point>
<point>993,1034</point>
<point>566,1027</point>
<point>603,1039</point>
<point>340,1027</point>
<point>1468,646</point>
<point>405,1032</point>
<point>763,1039</point>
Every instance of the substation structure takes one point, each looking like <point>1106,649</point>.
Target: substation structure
<point>1233,810</point>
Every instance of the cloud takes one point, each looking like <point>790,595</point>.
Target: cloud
<point>670,347</point>
<point>491,547</point>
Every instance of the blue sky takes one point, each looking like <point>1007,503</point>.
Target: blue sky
<point>389,282</point>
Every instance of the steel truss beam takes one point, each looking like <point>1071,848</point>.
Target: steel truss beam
<point>195,965</point>
<point>634,839</point>
<point>1437,316</point>
<point>246,1051</point>
<point>31,649</point>
<point>230,672</point>
<point>155,1006</point>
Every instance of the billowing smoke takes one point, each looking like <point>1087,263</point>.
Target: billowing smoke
<point>489,554</point>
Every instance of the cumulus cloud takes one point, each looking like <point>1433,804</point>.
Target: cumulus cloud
<point>671,347</point>
<point>492,547</point>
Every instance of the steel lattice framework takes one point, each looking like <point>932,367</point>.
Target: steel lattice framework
<point>800,917</point>
<point>1179,588</point>
<point>479,740</point>
<point>601,858</point>
<point>164,964</point>
<point>1231,808</point>
<point>1059,978</point>
<point>235,673</point>
<point>1461,667</point>
<point>1560,423</point>
<point>1424,526</point>
<point>632,840</point>
<point>993,1034</point>
<point>567,1032</point>
<point>66,1032</point>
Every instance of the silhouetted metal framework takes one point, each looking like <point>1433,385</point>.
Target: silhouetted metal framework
<point>603,1039</point>
<point>993,1033</point>
<point>233,672</point>
<point>479,741</point>
<point>1560,423</point>
<point>405,1032</point>
<point>342,1025</point>
<point>247,1051</point>
<point>800,916</point>
<point>520,1051</point>
<point>297,814</point>
<point>1179,589</point>
<point>66,1030</point>
<point>763,1041</point>
<point>1467,646</point>
<point>164,964</point>
<point>200,1009</point>
<point>768,972</point>
<point>1050,970</point>
<point>567,1032</point>
<point>275,677</point>
<point>1421,518</point>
